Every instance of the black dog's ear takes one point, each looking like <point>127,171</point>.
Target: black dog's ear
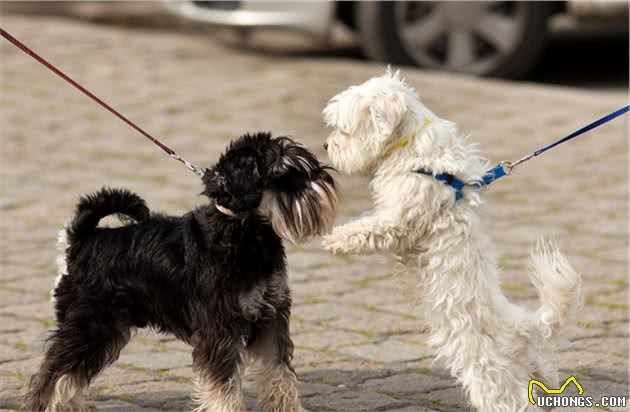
<point>292,157</point>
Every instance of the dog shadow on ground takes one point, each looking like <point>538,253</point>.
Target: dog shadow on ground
<point>337,390</point>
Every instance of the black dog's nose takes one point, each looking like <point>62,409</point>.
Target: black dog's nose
<point>325,146</point>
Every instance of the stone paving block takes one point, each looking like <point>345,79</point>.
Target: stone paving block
<point>8,383</point>
<point>369,296</point>
<point>314,291</point>
<point>320,311</point>
<point>299,275</point>
<point>354,401</point>
<point>10,393</point>
<point>448,399</point>
<point>329,340</point>
<point>343,269</point>
<point>615,346</point>
<point>388,351</point>
<point>298,326</point>
<point>420,337</point>
<point>593,364</point>
<point>40,310</point>
<point>339,377</point>
<point>177,345</point>
<point>597,312</point>
<point>12,297</point>
<point>301,259</point>
<point>20,369</point>
<point>581,329</point>
<point>375,324</point>
<point>617,328</point>
<point>153,394</point>
<point>180,404</point>
<point>157,360</point>
<point>308,359</point>
<point>117,405</point>
<point>11,352</point>
<point>309,390</point>
<point>118,375</point>
<point>405,308</point>
<point>9,402</point>
<point>28,339</point>
<point>10,323</point>
<point>183,375</point>
<point>39,285</point>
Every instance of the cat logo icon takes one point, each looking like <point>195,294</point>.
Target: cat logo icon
<point>542,386</point>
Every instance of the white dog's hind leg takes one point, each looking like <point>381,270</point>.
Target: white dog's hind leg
<point>483,339</point>
<point>492,377</point>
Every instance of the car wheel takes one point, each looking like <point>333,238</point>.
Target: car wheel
<point>503,39</point>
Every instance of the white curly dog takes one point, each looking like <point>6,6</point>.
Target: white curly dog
<point>491,346</point>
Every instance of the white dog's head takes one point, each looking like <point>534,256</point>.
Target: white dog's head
<point>365,119</point>
<point>382,125</point>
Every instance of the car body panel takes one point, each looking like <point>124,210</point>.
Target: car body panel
<point>314,17</point>
<point>317,17</point>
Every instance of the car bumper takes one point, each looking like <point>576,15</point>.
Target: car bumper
<point>314,17</point>
<point>598,8</point>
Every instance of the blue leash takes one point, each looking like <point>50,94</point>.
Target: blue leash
<point>506,168</point>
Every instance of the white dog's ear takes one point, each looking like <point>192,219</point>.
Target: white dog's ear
<point>387,112</point>
<point>394,74</point>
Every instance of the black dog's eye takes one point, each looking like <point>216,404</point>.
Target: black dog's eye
<point>221,182</point>
<point>219,179</point>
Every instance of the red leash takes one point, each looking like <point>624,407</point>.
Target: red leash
<point>59,73</point>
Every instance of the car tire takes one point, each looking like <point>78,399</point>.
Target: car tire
<point>380,37</point>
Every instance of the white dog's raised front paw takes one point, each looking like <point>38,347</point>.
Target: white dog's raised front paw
<point>334,245</point>
<point>344,242</point>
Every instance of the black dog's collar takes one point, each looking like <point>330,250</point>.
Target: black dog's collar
<point>224,210</point>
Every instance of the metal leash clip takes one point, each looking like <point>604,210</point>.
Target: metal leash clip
<point>507,167</point>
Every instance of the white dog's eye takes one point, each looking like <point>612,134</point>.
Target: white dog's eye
<point>344,133</point>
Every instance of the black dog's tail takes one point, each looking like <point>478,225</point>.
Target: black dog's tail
<point>95,206</point>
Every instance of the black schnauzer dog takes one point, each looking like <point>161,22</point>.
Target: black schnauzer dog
<point>216,278</point>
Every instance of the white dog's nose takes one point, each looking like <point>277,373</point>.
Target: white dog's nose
<point>325,146</point>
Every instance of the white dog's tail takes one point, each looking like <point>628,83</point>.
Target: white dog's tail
<point>557,284</point>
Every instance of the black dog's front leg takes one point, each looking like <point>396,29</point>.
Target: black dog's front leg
<point>218,363</point>
<point>276,382</point>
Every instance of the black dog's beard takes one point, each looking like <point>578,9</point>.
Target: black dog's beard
<point>299,216</point>
<point>286,184</point>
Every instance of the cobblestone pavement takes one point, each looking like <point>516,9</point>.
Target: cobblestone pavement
<point>359,345</point>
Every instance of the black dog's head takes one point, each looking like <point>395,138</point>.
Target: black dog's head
<point>277,178</point>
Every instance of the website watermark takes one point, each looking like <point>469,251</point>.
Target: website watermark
<point>555,398</point>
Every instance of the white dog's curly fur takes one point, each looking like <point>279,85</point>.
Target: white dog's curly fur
<point>492,347</point>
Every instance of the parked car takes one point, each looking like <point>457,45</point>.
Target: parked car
<point>489,38</point>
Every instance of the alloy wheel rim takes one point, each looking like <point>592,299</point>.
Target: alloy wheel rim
<point>473,37</point>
